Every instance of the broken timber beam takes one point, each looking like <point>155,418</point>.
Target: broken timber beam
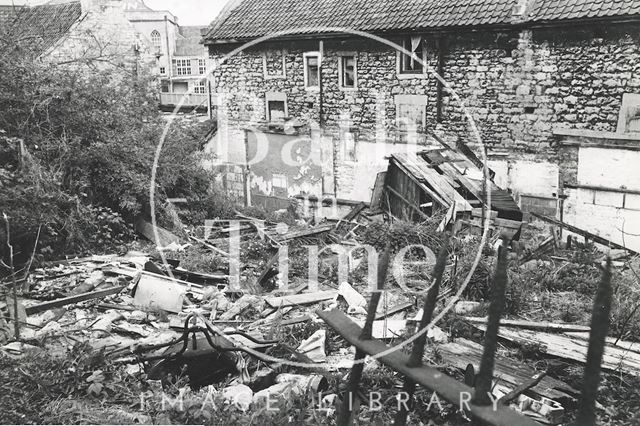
<point>532,325</point>
<point>301,299</point>
<point>73,299</point>
<point>432,379</point>
<point>595,238</point>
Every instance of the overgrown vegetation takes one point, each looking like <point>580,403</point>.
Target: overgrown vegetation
<point>77,148</point>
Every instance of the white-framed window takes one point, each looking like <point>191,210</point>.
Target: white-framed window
<point>279,185</point>
<point>200,87</point>
<point>312,70</point>
<point>202,66</point>
<point>411,116</point>
<point>156,40</point>
<point>273,63</point>
<point>163,70</point>
<point>276,106</point>
<point>414,64</point>
<point>348,70</point>
<point>182,66</point>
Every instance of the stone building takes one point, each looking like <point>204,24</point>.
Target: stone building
<point>181,58</point>
<point>94,33</point>
<point>544,83</point>
<point>121,35</point>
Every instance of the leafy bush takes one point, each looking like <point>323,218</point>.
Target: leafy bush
<point>78,147</point>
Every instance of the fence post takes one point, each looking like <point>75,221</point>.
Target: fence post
<point>485,375</point>
<point>347,408</point>
<point>597,339</point>
<point>417,351</point>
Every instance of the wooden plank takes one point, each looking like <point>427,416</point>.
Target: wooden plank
<point>435,196</point>
<point>303,233</point>
<point>479,213</point>
<point>567,347</point>
<point>436,180</point>
<point>73,299</point>
<point>463,352</point>
<point>146,229</point>
<point>429,377</point>
<point>301,299</point>
<point>595,238</point>
<point>532,325</point>
<point>394,310</point>
<point>408,203</point>
<point>378,188</point>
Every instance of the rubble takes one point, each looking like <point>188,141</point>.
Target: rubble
<point>172,321</point>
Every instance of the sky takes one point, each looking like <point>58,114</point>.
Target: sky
<point>190,12</point>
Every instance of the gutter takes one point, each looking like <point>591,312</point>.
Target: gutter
<point>444,30</point>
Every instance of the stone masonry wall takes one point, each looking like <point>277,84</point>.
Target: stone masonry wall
<point>103,38</point>
<point>517,86</point>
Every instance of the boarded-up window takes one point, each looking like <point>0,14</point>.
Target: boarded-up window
<point>274,64</point>
<point>276,103</point>
<point>411,113</point>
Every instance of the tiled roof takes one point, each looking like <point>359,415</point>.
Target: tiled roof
<point>40,27</point>
<point>255,18</point>
<point>188,41</point>
<point>550,10</point>
<point>247,19</point>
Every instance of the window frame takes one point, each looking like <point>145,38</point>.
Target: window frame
<point>414,100</point>
<point>400,58</point>
<point>177,67</point>
<point>157,46</point>
<point>265,70</point>
<point>200,87</point>
<point>275,97</point>
<point>349,154</point>
<point>305,61</point>
<point>202,66</point>
<point>341,70</point>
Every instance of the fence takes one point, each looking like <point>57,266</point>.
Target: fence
<point>410,366</point>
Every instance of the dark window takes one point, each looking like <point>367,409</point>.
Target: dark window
<point>312,71</point>
<point>348,71</point>
<point>276,110</point>
<point>409,64</point>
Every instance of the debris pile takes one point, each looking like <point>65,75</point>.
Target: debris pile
<point>257,328</point>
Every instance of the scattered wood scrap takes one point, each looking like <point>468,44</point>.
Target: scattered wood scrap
<point>573,348</point>
<point>161,237</point>
<point>463,352</point>
<point>34,309</point>
<point>593,237</point>
<point>301,299</point>
<point>532,325</point>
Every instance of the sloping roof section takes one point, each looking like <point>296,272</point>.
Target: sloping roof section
<point>551,10</point>
<point>248,19</point>
<point>40,27</point>
<point>188,41</point>
<point>255,18</point>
